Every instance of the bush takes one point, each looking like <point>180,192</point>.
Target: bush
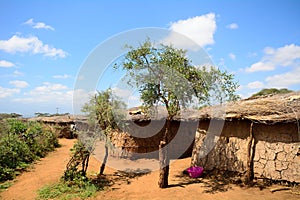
<point>20,144</point>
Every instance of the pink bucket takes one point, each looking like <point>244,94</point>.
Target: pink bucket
<point>195,172</point>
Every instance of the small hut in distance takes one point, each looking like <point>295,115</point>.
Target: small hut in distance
<point>260,136</point>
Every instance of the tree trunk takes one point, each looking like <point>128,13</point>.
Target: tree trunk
<point>85,163</point>
<point>250,156</point>
<point>104,160</point>
<point>164,159</point>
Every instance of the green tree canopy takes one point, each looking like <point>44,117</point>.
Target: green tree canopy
<point>104,110</point>
<point>268,91</point>
<point>165,75</point>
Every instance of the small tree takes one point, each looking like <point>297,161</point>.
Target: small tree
<point>102,113</point>
<point>165,76</point>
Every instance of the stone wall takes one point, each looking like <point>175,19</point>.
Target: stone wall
<point>276,149</point>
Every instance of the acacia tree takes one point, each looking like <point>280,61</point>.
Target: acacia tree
<point>103,117</point>
<point>164,75</point>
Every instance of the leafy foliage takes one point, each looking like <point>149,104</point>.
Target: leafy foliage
<point>165,75</point>
<point>104,110</point>
<point>268,91</point>
<point>104,114</point>
<point>20,144</point>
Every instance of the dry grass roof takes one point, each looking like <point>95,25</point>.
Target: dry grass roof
<point>59,119</point>
<point>266,109</point>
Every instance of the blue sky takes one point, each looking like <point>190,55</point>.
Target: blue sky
<point>43,44</point>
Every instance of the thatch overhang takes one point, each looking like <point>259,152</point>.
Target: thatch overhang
<point>64,119</point>
<point>265,109</point>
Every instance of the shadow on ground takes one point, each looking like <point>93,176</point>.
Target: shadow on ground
<point>217,181</point>
<point>125,176</point>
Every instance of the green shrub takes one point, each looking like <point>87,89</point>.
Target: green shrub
<point>39,139</point>
<point>14,151</point>
<point>16,126</point>
<point>20,144</point>
<point>6,173</point>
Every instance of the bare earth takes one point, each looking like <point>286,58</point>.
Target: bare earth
<point>48,170</point>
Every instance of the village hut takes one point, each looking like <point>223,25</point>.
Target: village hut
<point>143,131</point>
<point>62,125</point>
<point>258,137</point>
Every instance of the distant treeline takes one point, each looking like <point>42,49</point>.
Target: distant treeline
<point>9,115</point>
<point>270,91</point>
<point>38,114</point>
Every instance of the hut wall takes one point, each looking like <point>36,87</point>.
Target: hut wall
<point>144,139</point>
<point>276,149</point>
<point>61,129</point>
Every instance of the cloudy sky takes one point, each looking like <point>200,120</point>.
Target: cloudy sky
<point>43,44</point>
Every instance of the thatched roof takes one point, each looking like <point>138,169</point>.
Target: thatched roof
<point>266,109</point>
<point>59,119</point>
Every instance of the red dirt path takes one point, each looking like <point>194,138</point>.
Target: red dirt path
<point>45,171</point>
<point>48,170</point>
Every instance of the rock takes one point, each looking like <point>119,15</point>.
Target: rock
<point>281,156</point>
<point>281,165</point>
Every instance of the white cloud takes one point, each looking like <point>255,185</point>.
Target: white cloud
<point>284,56</point>
<point>7,92</point>
<point>269,51</point>
<point>200,29</point>
<point>65,76</point>
<point>284,80</point>
<point>288,55</point>
<point>232,26</point>
<point>48,93</point>
<point>130,97</point>
<point>251,54</point>
<point>232,56</point>
<point>5,63</point>
<point>48,87</point>
<point>19,84</point>
<point>18,73</point>
<point>261,66</point>
<point>255,85</point>
<point>38,25</point>
<point>30,44</point>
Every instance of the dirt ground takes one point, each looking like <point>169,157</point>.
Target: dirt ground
<point>129,186</point>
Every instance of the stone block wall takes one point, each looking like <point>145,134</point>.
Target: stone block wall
<point>276,149</point>
<point>278,161</point>
<point>228,153</point>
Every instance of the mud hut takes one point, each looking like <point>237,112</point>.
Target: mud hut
<point>258,137</point>
<point>62,125</point>
<point>141,136</point>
